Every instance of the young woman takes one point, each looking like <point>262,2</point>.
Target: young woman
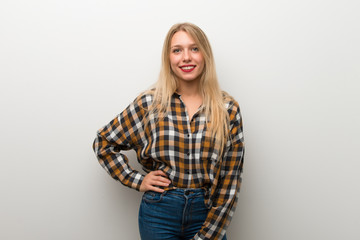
<point>188,137</point>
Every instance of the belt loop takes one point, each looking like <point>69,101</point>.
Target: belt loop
<point>163,193</point>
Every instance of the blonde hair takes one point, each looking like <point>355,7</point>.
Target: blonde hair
<point>213,98</point>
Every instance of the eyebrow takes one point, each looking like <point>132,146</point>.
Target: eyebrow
<point>178,45</point>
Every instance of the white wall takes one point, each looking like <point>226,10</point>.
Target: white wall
<point>68,67</point>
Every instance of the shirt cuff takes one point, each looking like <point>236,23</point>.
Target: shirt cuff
<point>138,179</point>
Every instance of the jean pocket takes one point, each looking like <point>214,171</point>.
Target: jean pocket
<point>153,197</point>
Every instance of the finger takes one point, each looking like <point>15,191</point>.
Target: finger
<point>155,189</point>
<point>161,179</point>
<point>164,177</point>
<point>159,172</point>
<point>158,183</point>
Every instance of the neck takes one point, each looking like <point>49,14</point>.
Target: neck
<point>191,88</point>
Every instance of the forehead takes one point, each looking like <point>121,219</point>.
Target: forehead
<point>182,38</point>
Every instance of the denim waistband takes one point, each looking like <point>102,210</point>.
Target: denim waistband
<point>186,191</point>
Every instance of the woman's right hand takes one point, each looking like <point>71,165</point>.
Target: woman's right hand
<point>153,180</point>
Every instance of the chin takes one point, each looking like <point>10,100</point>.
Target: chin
<point>188,78</point>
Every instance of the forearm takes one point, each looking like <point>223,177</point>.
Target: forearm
<point>108,149</point>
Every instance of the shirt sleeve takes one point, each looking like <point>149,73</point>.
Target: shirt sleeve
<point>224,202</point>
<point>124,132</point>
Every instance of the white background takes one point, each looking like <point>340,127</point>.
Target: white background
<point>67,67</point>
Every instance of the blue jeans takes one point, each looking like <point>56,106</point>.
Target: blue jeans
<point>174,215</point>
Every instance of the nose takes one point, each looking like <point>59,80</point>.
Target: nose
<point>187,56</point>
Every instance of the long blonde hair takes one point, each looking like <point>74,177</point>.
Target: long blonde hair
<point>213,98</point>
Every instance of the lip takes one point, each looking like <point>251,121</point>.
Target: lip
<point>189,69</point>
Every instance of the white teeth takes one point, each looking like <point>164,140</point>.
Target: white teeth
<point>188,68</point>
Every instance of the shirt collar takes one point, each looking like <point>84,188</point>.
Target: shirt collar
<point>176,94</point>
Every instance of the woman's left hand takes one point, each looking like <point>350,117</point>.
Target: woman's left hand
<point>153,180</point>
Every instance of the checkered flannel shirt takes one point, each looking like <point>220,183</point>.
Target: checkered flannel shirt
<point>182,148</point>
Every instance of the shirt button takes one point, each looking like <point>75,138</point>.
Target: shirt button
<point>188,153</point>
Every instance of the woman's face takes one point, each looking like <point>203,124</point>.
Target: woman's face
<point>186,61</point>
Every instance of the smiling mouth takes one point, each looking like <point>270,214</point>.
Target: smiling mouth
<point>187,68</point>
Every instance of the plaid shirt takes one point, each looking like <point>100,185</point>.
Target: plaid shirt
<point>182,148</point>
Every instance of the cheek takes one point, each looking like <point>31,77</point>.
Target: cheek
<point>173,61</point>
<point>200,59</point>
<point>173,65</point>
<point>201,62</point>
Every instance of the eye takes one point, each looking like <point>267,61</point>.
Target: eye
<point>176,50</point>
<point>195,49</point>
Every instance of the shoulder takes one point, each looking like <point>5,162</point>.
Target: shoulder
<point>231,104</point>
<point>144,99</point>
<point>139,106</point>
